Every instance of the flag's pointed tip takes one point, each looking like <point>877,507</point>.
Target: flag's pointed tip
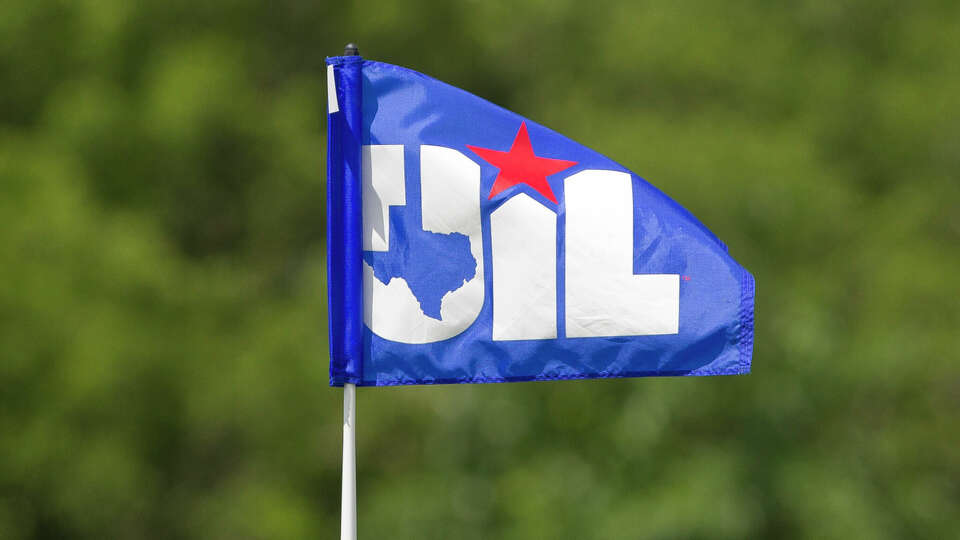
<point>351,50</point>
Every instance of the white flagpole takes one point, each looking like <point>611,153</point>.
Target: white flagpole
<point>348,503</point>
<point>348,493</point>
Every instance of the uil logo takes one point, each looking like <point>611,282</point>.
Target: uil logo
<point>427,268</point>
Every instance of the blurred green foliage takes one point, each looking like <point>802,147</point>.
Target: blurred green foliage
<point>162,307</point>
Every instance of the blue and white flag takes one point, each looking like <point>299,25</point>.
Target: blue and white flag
<point>467,244</point>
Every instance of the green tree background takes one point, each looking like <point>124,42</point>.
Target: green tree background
<point>163,366</point>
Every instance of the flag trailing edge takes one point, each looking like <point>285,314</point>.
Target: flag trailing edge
<point>467,244</point>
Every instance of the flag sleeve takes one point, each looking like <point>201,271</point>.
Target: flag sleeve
<point>344,212</point>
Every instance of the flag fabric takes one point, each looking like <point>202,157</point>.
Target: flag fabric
<point>467,244</point>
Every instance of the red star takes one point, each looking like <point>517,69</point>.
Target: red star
<point>521,166</point>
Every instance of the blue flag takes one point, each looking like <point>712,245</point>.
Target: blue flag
<point>467,244</point>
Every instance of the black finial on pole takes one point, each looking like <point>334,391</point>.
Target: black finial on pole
<point>351,50</point>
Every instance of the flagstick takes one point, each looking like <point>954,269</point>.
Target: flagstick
<point>348,494</point>
<point>348,505</point>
